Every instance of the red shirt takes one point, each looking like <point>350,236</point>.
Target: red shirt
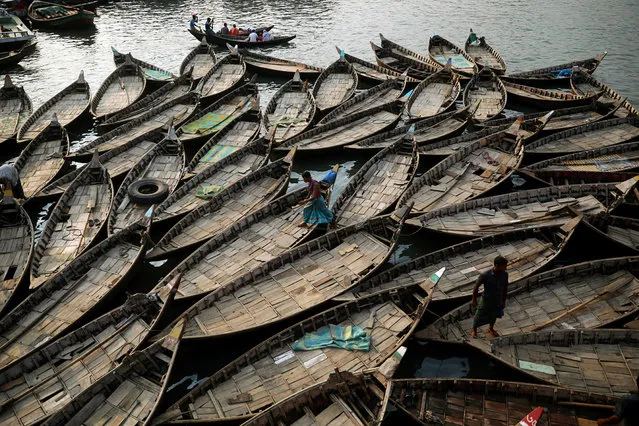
<point>234,31</point>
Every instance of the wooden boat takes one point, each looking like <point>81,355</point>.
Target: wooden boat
<point>528,252</point>
<point>168,92</point>
<point>243,41</point>
<point>486,87</point>
<point>15,106</point>
<point>213,179</point>
<point>546,98</point>
<point>485,56</point>
<point>227,206</point>
<point>584,84</point>
<point>434,95</point>
<point>160,171</point>
<point>57,16</point>
<point>121,88</point>
<point>43,158</point>
<point>549,76</point>
<point>68,105</point>
<point>378,184</point>
<point>531,209</point>
<point>583,360</point>
<point>621,229</point>
<point>131,391</point>
<point>199,60</point>
<point>410,55</point>
<point>61,303</point>
<point>15,33</point>
<point>425,130</point>
<point>469,173</point>
<point>178,111</point>
<point>384,93</point>
<point>466,401</point>
<point>591,136</point>
<point>558,177</point>
<point>373,73</point>
<point>395,60</point>
<point>198,33</point>
<point>226,75</point>
<point>290,111</point>
<point>206,122</point>
<point>562,118</point>
<point>16,246</point>
<point>268,65</point>
<point>336,84</point>
<point>344,399</point>
<point>236,135</point>
<point>11,58</point>
<point>442,51</point>
<point>75,222</point>
<point>567,293</point>
<point>389,320</point>
<point>255,239</point>
<point>347,130</point>
<point>152,73</point>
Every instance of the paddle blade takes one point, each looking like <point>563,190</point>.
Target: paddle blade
<point>532,418</point>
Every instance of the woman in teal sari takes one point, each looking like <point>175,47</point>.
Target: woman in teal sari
<point>315,212</point>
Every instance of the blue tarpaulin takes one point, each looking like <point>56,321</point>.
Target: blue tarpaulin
<point>351,338</point>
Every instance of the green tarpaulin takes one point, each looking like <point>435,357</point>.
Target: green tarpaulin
<point>218,152</point>
<point>351,338</point>
<point>208,123</point>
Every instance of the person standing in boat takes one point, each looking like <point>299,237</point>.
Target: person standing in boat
<point>225,29</point>
<point>626,410</point>
<point>10,180</point>
<point>252,37</point>
<point>472,37</point>
<point>193,24</point>
<point>316,212</point>
<point>493,300</point>
<point>266,35</point>
<point>208,25</point>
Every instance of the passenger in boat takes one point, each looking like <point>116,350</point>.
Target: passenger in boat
<point>493,300</point>
<point>207,25</point>
<point>193,24</point>
<point>234,30</point>
<point>252,37</point>
<point>266,36</point>
<point>224,30</point>
<point>627,409</point>
<point>315,212</point>
<point>10,179</point>
<point>472,38</point>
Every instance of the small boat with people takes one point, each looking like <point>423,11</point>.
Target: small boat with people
<point>199,34</point>
<point>249,41</point>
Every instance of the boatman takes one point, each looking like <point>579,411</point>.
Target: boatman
<point>472,38</point>
<point>208,25</point>
<point>10,181</point>
<point>627,409</point>
<point>225,29</point>
<point>493,300</point>
<point>252,37</point>
<point>193,24</point>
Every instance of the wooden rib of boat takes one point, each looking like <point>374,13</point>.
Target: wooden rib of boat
<point>468,173</point>
<point>567,294</point>
<point>75,222</point>
<point>42,159</point>
<point>336,84</point>
<point>434,95</point>
<point>178,111</point>
<point>550,75</point>
<point>68,105</point>
<point>198,33</point>
<point>562,118</point>
<point>236,135</point>
<point>410,55</point>
<point>583,360</point>
<point>13,57</point>
<point>378,184</point>
<point>214,179</point>
<point>389,320</point>
<point>547,98</point>
<point>343,399</point>
<point>199,60</point>
<point>131,391</point>
<point>591,136</point>
<point>425,130</point>
<point>120,89</point>
<point>442,51</point>
<point>152,73</point>
<point>71,296</point>
<point>246,244</point>
<point>226,75</point>
<point>263,64</point>
<point>486,87</point>
<point>478,401</point>
<point>16,246</point>
<point>206,122</point>
<point>290,111</point>
<point>171,90</point>
<point>582,83</point>
<point>531,209</point>
<point>485,56</point>
<point>226,207</point>
<point>58,16</point>
<point>373,73</point>
<point>164,164</point>
<point>384,93</point>
<point>347,130</point>
<point>243,41</point>
<point>394,60</point>
<point>624,230</point>
<point>15,106</point>
<point>528,251</point>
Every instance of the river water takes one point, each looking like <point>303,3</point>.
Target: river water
<point>527,34</point>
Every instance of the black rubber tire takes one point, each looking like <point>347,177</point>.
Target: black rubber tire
<point>147,191</point>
